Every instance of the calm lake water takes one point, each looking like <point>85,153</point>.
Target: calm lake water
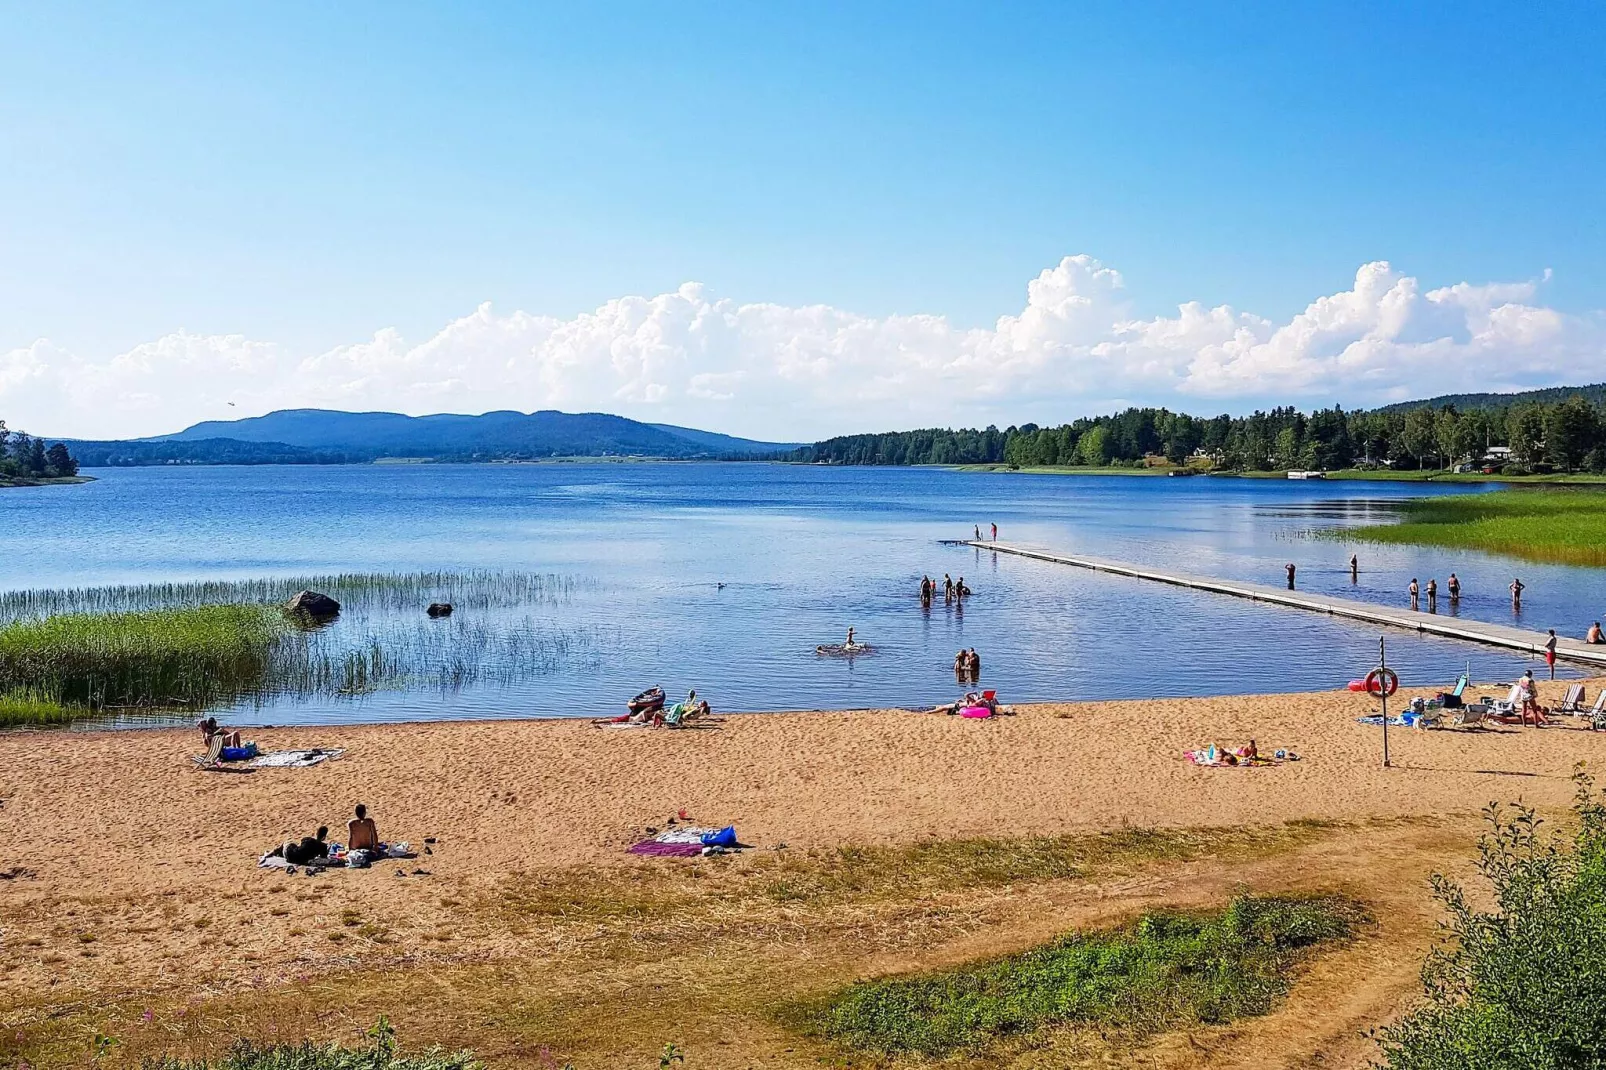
<point>726,576</point>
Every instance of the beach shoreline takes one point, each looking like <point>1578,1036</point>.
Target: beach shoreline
<point>131,876</point>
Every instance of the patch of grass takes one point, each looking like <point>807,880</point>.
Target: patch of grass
<point>860,874</point>
<point>29,706</point>
<point>1164,971</point>
<point>171,656</point>
<point>1550,525</point>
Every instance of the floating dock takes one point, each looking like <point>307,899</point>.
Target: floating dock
<point>1473,631</point>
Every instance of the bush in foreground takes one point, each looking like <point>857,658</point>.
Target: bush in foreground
<point>379,1053</point>
<point>1166,970</point>
<point>1521,986</point>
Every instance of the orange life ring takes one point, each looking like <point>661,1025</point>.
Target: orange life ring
<point>1382,682</point>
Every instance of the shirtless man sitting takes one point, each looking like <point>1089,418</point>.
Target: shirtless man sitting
<point>361,832</point>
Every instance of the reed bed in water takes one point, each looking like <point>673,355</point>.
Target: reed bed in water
<point>30,707</point>
<point>360,591</point>
<point>1554,525</point>
<point>168,657</point>
<point>166,646</point>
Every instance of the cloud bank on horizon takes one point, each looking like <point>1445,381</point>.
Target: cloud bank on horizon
<point>782,373</point>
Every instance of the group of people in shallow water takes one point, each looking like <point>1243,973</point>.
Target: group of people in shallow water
<point>1452,587</point>
<point>967,666</point>
<point>952,591</point>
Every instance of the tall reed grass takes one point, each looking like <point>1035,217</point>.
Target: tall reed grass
<point>356,591</point>
<point>165,646</point>
<point>168,657</point>
<point>1553,525</point>
<point>26,707</point>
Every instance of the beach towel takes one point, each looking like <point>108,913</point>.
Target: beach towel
<point>296,759</point>
<point>1404,720</point>
<point>686,841</point>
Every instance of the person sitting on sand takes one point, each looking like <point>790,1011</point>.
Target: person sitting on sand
<point>361,832</point>
<point>1595,636</point>
<point>308,848</point>
<point>1249,753</point>
<point>210,728</point>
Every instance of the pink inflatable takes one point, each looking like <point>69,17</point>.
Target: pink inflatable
<point>975,711</point>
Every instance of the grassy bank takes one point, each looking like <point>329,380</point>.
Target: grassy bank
<point>1166,970</point>
<point>30,707</point>
<point>158,657</point>
<point>1552,526</point>
<point>48,481</point>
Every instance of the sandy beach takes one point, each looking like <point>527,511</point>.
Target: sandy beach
<point>134,871</point>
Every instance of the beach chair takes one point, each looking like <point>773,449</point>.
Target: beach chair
<point>1574,702</point>
<point>1470,717</point>
<point>214,753</point>
<point>1597,712</point>
<point>1512,706</point>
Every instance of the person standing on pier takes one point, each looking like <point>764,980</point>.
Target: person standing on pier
<point>1290,567</point>
<point>1550,652</point>
<point>978,533</point>
<point>995,532</point>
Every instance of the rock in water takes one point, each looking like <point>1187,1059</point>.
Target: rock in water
<point>313,605</point>
<point>439,609</point>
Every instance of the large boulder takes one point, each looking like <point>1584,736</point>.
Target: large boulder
<point>313,606</point>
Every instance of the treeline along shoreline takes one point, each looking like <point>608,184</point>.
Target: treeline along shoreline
<point>27,461</point>
<point>1512,434</point>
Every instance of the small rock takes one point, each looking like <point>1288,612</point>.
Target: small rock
<point>439,609</point>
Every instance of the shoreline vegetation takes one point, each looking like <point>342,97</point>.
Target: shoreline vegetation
<point>1552,526</point>
<point>1384,475</point>
<point>1164,971</point>
<point>72,654</point>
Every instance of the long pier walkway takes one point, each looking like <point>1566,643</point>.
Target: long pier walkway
<point>1427,623</point>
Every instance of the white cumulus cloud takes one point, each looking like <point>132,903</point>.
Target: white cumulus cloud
<point>779,372</point>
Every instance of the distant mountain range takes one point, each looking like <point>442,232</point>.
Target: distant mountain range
<point>326,436</point>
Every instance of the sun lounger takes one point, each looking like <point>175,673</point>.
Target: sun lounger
<point>1574,702</point>
<point>214,752</point>
<point>1597,712</point>
<point>1470,716</point>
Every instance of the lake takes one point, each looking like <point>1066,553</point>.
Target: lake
<point>725,577</point>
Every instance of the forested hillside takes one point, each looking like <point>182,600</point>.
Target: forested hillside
<point>1566,434</point>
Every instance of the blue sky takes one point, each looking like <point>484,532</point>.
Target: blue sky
<point>306,175</point>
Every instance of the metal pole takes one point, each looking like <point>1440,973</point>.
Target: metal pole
<point>1383,689</point>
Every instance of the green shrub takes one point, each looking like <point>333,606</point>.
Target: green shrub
<point>1521,986</point>
<point>379,1053</point>
<point>1166,970</point>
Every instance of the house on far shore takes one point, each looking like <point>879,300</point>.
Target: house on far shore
<point>1497,455</point>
